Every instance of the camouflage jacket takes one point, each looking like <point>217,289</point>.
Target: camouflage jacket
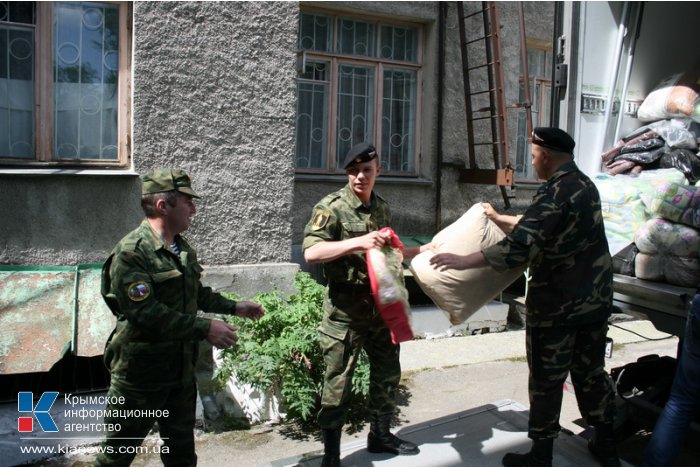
<point>561,237</point>
<point>155,296</point>
<point>339,216</point>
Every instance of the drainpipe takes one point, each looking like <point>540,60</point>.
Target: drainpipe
<point>442,15</point>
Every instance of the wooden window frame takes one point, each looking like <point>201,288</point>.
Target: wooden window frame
<point>337,59</point>
<point>44,95</point>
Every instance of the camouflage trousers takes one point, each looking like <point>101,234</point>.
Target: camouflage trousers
<point>553,353</point>
<point>342,336</point>
<point>176,429</point>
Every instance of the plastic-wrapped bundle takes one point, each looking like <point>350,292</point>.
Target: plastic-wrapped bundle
<point>675,96</point>
<point>390,294</point>
<point>678,203</point>
<point>668,252</point>
<point>625,201</point>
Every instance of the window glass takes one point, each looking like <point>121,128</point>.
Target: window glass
<point>399,43</point>
<point>356,38</point>
<point>398,120</point>
<point>355,108</point>
<point>312,115</point>
<point>17,80</point>
<point>86,58</point>
<point>315,32</point>
<point>539,68</point>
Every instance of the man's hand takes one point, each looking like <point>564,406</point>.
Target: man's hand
<point>248,310</point>
<point>489,211</point>
<point>221,334</point>
<point>374,239</point>
<point>445,261</point>
<point>505,222</point>
<point>326,251</point>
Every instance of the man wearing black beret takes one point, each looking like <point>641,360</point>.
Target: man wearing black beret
<point>343,225</point>
<point>569,298</point>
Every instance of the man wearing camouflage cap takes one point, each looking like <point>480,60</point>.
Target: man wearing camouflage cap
<point>151,283</point>
<point>343,226</point>
<point>569,299</point>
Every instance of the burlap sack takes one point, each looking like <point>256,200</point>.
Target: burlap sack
<point>461,293</point>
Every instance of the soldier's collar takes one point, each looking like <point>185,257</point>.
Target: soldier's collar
<point>356,202</point>
<point>563,169</point>
<point>154,237</point>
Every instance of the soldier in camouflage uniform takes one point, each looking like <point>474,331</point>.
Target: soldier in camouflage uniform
<point>343,226</point>
<point>151,282</point>
<point>569,298</point>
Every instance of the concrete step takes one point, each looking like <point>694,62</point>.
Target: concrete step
<point>429,321</point>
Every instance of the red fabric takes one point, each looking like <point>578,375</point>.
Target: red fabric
<point>395,314</point>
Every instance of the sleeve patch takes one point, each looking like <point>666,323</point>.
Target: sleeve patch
<point>138,291</point>
<point>320,219</point>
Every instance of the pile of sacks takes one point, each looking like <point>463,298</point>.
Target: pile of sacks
<point>650,205</point>
<point>672,111</point>
<point>652,223</point>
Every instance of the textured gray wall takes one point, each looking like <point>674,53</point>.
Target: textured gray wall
<point>213,93</point>
<point>64,219</point>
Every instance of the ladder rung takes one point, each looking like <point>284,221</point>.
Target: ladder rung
<point>482,118</point>
<point>487,143</point>
<point>476,93</point>
<point>482,66</point>
<point>478,39</point>
<point>478,12</point>
<point>477,67</point>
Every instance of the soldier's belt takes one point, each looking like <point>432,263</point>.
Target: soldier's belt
<point>346,288</point>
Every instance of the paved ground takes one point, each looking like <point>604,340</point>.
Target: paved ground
<point>441,377</point>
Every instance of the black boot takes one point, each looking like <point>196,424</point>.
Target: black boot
<point>603,447</point>
<point>540,455</point>
<point>380,439</point>
<point>331,447</point>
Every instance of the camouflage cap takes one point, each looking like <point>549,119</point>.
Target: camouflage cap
<point>162,180</point>
<point>362,152</point>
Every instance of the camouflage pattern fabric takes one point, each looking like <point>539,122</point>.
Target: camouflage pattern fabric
<point>561,237</point>
<point>176,430</point>
<point>151,354</point>
<point>569,297</point>
<point>351,322</point>
<point>340,216</point>
<point>155,296</point>
<point>553,352</point>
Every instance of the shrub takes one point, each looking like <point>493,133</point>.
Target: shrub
<point>280,351</point>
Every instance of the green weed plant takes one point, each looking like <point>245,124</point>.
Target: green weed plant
<point>280,352</point>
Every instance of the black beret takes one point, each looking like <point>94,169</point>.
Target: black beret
<point>362,152</point>
<point>553,138</point>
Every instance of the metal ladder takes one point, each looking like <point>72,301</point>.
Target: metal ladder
<point>495,111</point>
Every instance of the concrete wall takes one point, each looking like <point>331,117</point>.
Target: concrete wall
<point>214,93</point>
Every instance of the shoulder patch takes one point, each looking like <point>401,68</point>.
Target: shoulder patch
<point>320,218</point>
<point>138,291</point>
